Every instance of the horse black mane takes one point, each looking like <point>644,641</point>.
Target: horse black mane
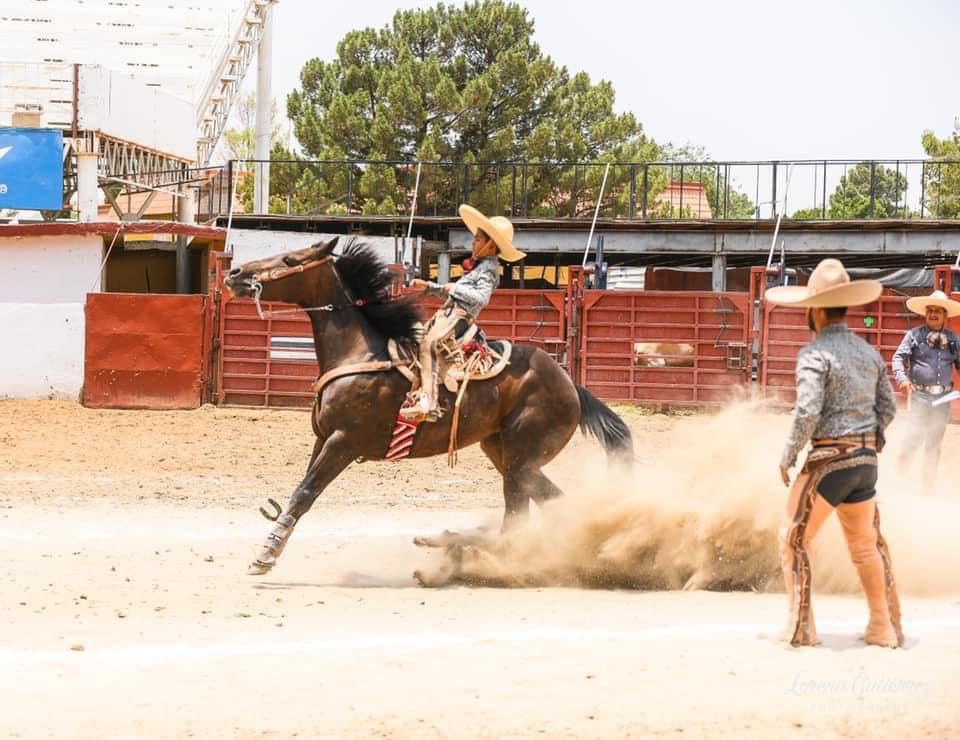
<point>368,279</point>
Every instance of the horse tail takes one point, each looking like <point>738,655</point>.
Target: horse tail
<point>610,430</point>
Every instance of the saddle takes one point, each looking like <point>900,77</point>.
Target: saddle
<point>466,358</point>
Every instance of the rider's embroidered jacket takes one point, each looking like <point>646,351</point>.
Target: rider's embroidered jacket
<point>842,390</point>
<point>472,292</point>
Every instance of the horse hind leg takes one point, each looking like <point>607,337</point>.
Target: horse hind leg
<point>526,446</point>
<point>542,489</point>
<point>532,484</point>
<point>522,486</point>
<point>516,502</point>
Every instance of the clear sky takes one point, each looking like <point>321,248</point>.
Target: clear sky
<point>747,79</point>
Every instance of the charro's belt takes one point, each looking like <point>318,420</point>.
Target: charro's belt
<point>867,441</point>
<point>933,390</point>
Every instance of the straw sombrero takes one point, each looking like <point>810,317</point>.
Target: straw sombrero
<point>829,286</point>
<point>497,228</point>
<point>937,298</point>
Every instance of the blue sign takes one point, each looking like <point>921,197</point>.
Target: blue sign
<point>31,169</point>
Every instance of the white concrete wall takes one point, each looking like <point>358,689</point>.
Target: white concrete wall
<point>49,269</point>
<point>43,355</point>
<point>45,281</point>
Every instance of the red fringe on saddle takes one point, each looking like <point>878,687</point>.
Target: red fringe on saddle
<point>402,440</point>
<point>473,345</point>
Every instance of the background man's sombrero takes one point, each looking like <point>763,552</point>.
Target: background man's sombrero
<point>829,286</point>
<point>497,228</point>
<point>938,298</point>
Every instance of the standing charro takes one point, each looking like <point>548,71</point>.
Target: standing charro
<point>923,366</point>
<point>466,298</point>
<point>844,404</point>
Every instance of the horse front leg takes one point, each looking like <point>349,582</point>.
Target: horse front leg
<point>330,457</point>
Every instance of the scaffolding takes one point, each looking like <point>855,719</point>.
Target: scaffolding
<point>186,54</point>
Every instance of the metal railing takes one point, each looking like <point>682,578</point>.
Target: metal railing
<point>797,189</point>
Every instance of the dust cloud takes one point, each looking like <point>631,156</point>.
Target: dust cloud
<point>701,511</point>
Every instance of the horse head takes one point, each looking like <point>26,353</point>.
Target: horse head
<point>286,277</point>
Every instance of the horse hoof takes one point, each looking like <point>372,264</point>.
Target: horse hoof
<point>258,568</point>
<point>426,542</point>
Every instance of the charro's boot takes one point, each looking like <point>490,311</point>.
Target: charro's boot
<point>417,407</point>
<point>805,514</point>
<point>431,380</point>
<point>861,529</point>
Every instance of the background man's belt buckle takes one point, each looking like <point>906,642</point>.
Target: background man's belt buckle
<point>934,390</point>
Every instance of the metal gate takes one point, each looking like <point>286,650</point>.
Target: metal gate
<point>664,347</point>
<point>271,361</point>
<point>783,331</point>
<point>144,351</point>
<point>265,362</point>
<point>947,279</point>
<point>721,341</point>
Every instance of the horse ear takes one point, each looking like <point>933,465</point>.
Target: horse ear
<point>327,247</point>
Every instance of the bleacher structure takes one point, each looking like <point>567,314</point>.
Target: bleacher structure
<point>146,85</point>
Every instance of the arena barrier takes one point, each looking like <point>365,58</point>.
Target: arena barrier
<point>782,331</point>
<point>675,348</point>
<point>146,351</point>
<point>271,361</point>
<point>947,279</point>
<point>666,348</point>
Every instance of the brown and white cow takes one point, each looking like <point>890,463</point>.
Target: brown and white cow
<point>662,354</point>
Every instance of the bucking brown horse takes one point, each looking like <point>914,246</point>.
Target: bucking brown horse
<point>521,418</point>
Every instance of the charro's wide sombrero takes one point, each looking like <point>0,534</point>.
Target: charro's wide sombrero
<point>497,228</point>
<point>829,286</point>
<point>937,298</point>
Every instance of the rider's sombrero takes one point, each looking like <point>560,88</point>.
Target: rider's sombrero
<point>938,298</point>
<point>829,286</point>
<point>497,228</point>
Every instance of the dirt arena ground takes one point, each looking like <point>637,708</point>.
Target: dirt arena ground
<point>126,611</point>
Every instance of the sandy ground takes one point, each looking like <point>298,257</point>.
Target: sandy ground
<point>126,611</point>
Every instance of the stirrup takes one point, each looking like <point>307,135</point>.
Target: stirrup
<point>432,415</point>
<point>411,413</point>
<point>415,407</point>
<point>415,413</point>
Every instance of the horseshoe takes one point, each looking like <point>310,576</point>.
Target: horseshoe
<point>276,514</point>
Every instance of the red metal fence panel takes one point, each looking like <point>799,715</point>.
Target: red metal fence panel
<point>594,334</point>
<point>271,361</point>
<point>955,325</point>
<point>709,362</point>
<point>947,279</point>
<point>783,331</point>
<point>143,351</point>
<point>528,317</point>
<point>265,362</point>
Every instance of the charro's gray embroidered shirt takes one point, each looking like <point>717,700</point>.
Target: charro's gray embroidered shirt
<point>927,365</point>
<point>842,389</point>
<point>472,292</point>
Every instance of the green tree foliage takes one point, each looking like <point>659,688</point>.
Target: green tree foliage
<point>463,84</point>
<point>942,177</point>
<point>869,191</point>
<point>239,142</point>
<point>298,185</point>
<point>807,214</point>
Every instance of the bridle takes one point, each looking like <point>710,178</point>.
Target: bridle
<point>278,273</point>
